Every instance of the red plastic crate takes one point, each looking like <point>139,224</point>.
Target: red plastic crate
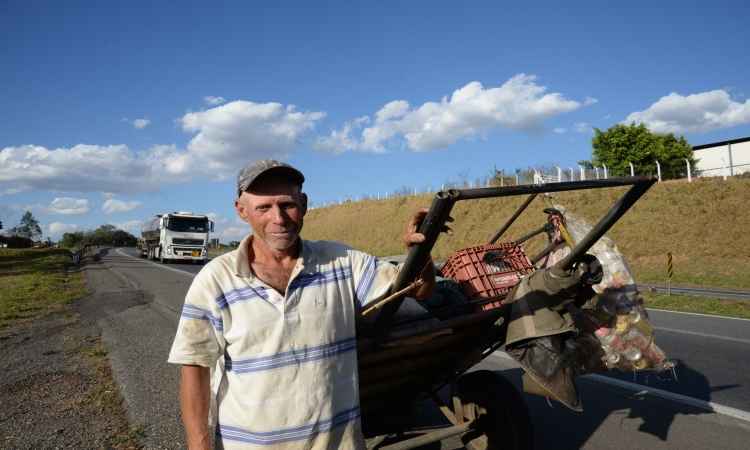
<point>487,272</point>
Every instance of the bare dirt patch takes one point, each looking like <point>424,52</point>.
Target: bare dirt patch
<point>56,386</point>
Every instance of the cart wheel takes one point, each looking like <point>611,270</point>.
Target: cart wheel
<point>503,420</point>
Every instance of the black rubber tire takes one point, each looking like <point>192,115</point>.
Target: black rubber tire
<point>502,415</point>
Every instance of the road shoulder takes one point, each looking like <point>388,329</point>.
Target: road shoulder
<point>57,385</point>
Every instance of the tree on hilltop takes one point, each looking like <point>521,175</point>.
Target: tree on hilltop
<point>28,227</point>
<point>636,144</point>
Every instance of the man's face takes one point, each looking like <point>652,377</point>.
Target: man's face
<point>274,208</point>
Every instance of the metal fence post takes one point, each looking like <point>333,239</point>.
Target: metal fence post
<point>690,178</point>
<point>605,171</point>
<point>571,173</point>
<point>632,169</point>
<point>583,173</point>
<point>559,174</point>
<point>658,170</point>
<point>596,171</point>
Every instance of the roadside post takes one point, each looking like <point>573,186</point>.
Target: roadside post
<point>670,272</point>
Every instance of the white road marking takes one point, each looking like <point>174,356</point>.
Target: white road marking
<point>713,316</point>
<point>678,398</point>
<point>707,335</point>
<point>181,272</point>
<point>660,393</point>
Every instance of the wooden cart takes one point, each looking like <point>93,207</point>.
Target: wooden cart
<point>428,356</point>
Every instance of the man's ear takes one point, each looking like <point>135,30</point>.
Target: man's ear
<point>303,198</point>
<point>240,210</point>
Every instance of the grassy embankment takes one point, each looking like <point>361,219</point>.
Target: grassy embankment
<point>34,282</point>
<point>704,224</point>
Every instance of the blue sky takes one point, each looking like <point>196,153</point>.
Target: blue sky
<point>114,112</point>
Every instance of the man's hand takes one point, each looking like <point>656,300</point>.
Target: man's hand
<point>413,237</point>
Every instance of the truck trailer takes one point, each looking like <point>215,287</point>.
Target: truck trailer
<point>179,235</point>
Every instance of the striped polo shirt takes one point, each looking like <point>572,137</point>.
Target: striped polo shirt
<point>284,365</point>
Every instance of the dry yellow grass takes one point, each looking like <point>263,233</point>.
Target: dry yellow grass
<point>704,224</point>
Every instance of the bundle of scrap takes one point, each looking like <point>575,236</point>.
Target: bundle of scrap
<point>616,314</point>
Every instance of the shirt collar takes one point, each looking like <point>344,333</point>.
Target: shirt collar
<point>242,263</point>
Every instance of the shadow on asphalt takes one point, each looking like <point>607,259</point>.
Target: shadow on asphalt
<point>557,427</point>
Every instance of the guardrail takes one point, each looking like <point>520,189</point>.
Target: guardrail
<point>78,255</point>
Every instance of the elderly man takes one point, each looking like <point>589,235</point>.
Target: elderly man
<point>275,319</point>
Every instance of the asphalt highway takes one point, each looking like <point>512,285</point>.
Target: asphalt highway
<point>713,372</point>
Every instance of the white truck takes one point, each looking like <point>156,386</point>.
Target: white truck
<point>179,235</point>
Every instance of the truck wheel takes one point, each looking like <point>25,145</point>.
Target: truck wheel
<point>502,417</point>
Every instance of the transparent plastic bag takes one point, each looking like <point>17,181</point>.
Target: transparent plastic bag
<point>617,314</point>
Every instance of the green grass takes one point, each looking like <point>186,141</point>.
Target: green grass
<point>34,282</point>
<point>719,307</point>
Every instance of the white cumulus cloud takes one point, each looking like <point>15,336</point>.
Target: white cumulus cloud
<point>700,112</point>
<point>519,103</point>
<point>582,127</point>
<point>68,205</point>
<point>57,229</point>
<point>230,135</point>
<point>84,168</point>
<point>589,101</point>
<point>114,205</point>
<point>141,123</point>
<point>213,101</point>
<point>132,226</point>
<point>218,219</point>
<point>224,138</point>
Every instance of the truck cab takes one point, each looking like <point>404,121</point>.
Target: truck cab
<point>177,236</point>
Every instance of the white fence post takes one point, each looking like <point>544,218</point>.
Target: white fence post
<point>632,169</point>
<point>516,179</point>
<point>559,174</point>
<point>658,170</point>
<point>571,173</point>
<point>690,177</point>
<point>583,173</point>
<point>605,171</point>
<point>596,171</point>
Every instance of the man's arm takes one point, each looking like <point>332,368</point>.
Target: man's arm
<point>194,403</point>
<point>428,277</point>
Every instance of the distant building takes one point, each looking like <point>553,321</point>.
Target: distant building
<point>724,158</point>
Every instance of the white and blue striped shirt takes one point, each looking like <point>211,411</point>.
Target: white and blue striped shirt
<point>287,364</point>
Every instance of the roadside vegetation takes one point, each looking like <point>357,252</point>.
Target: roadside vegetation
<point>702,305</point>
<point>703,224</point>
<point>34,282</point>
